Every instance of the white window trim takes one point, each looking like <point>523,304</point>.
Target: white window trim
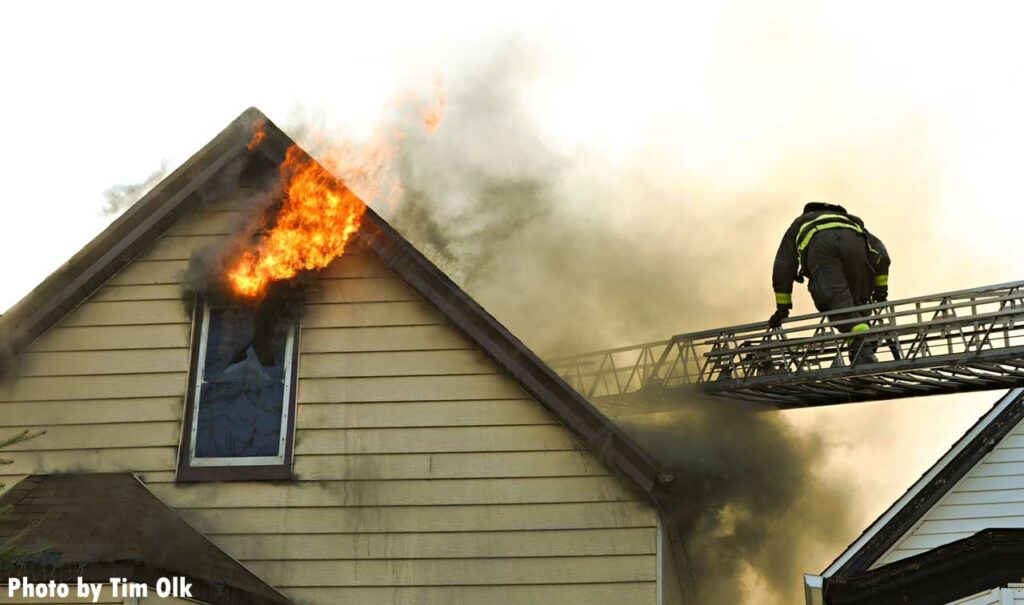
<point>197,401</point>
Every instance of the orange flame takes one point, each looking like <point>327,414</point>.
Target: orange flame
<point>259,132</point>
<point>317,220</point>
<point>433,112</point>
<point>320,213</point>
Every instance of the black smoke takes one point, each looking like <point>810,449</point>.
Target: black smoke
<point>573,253</point>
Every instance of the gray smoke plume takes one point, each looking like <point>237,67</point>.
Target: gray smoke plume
<point>121,197</point>
<point>573,254</point>
<point>746,499</point>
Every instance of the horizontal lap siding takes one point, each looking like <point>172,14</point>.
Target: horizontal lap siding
<point>988,597</point>
<point>1012,593</point>
<point>422,473</point>
<point>443,545</point>
<point>414,519</point>
<point>624,593</point>
<point>991,495</point>
<point>407,492</point>
<point>448,572</point>
<point>472,412</point>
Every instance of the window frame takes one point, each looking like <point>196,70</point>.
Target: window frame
<point>277,467</point>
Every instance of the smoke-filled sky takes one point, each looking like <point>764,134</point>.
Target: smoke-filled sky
<point>665,147</point>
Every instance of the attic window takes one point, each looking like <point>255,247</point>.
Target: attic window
<point>240,412</point>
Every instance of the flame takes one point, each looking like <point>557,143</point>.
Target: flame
<point>321,212</point>
<point>259,132</point>
<point>434,111</point>
<point>316,221</point>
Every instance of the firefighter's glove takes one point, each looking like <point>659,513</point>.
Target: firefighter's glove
<point>782,312</point>
<point>881,294</point>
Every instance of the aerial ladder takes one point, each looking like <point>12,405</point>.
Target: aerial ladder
<point>969,340</point>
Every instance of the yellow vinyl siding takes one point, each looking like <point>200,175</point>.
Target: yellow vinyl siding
<point>130,293</point>
<point>404,519</point>
<point>453,545</point>
<point>147,273</point>
<point>110,386</point>
<point>404,363</point>
<point>353,315</point>
<point>407,388</point>
<point>441,572</point>
<point>472,412</point>
<point>114,338</point>
<point>208,223</point>
<point>474,465</point>
<point>411,492</point>
<point>624,593</point>
<point>436,439</point>
<point>92,363</point>
<point>423,474</point>
<point>385,338</point>
<point>95,457</point>
<point>97,411</point>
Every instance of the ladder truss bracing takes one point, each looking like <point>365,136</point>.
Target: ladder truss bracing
<point>969,340</point>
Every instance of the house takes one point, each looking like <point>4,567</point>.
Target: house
<point>401,446</point>
<point>955,537</point>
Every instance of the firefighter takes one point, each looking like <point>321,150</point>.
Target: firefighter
<point>847,267</point>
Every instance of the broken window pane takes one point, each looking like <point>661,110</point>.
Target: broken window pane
<point>242,389</point>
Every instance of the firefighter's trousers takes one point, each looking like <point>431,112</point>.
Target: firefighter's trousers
<point>841,277</point>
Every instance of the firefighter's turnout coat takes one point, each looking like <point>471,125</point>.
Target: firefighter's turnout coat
<point>833,249</point>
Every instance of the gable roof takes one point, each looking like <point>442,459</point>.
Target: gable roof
<point>108,525</point>
<point>904,514</point>
<point>126,237</point>
<point>989,558</point>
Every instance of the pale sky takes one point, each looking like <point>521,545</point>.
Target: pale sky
<point>100,93</point>
<point>97,94</point>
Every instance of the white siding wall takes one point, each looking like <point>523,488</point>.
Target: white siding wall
<point>424,475</point>
<point>1012,594</point>
<point>991,495</point>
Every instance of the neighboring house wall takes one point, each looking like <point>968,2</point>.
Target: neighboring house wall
<point>991,495</point>
<point>422,473</point>
<point>1013,594</point>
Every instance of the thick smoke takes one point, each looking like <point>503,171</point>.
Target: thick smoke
<point>747,506</point>
<point>121,197</point>
<point>573,253</point>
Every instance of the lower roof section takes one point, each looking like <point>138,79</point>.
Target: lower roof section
<point>988,559</point>
<point>109,525</point>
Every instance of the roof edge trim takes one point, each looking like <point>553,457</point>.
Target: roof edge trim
<point>843,563</point>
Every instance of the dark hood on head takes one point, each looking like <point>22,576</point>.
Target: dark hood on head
<point>822,206</point>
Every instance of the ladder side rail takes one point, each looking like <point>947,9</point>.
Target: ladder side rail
<point>706,368</point>
<point>565,358</point>
<point>598,376</point>
<point>638,371</point>
<point>988,332</point>
<point>670,345</point>
<point>948,324</point>
<point>678,368</point>
<point>880,317</point>
<point>944,302</point>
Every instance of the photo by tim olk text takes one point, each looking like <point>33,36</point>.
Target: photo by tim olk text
<point>175,586</point>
